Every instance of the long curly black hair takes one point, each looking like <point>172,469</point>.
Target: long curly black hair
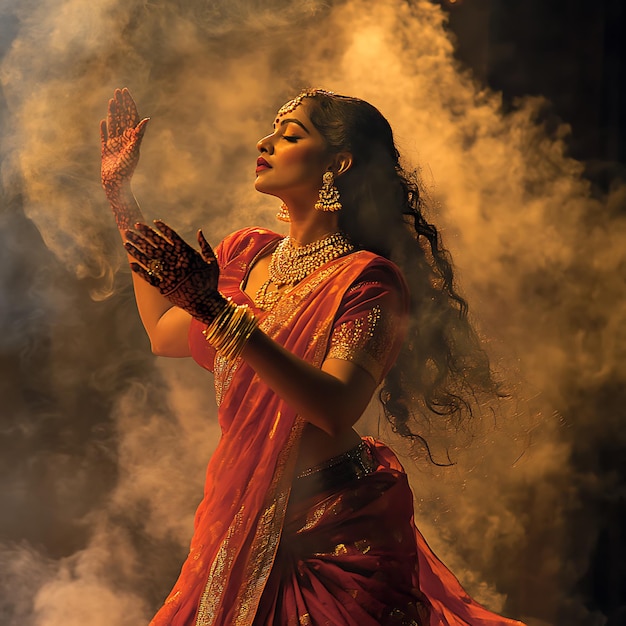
<point>442,369</point>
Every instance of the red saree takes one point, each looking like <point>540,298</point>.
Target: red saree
<point>257,559</point>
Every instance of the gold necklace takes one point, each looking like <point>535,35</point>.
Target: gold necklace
<point>291,263</point>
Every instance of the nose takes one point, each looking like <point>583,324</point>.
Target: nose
<point>265,145</point>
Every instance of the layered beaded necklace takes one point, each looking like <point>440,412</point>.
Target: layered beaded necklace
<point>291,263</point>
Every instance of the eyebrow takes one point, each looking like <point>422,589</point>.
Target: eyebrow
<point>293,120</point>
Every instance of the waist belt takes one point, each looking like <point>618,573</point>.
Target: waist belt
<point>336,471</point>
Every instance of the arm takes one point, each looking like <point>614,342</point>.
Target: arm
<point>332,398</point>
<point>367,334</point>
<point>121,134</point>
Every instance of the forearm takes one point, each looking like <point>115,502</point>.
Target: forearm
<point>124,206</point>
<point>165,324</point>
<point>331,401</point>
<point>121,134</point>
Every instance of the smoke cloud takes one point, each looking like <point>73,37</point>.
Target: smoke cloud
<point>104,446</point>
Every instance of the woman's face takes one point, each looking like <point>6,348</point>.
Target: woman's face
<point>293,158</point>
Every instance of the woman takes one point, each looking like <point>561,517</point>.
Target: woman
<point>302,521</point>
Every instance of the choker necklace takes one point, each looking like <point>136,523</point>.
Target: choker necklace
<point>291,263</point>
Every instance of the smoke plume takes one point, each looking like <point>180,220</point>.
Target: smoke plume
<point>104,446</point>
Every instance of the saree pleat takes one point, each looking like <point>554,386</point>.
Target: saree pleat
<point>355,558</point>
<point>348,557</point>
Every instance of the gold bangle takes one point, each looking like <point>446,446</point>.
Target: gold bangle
<point>245,330</point>
<point>226,336</point>
<point>221,320</point>
<point>229,332</point>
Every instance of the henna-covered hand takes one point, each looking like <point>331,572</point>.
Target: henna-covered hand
<point>183,275</point>
<point>121,134</point>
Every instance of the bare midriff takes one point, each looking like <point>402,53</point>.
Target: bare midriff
<point>318,446</point>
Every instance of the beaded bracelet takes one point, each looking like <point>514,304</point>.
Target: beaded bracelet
<point>229,332</point>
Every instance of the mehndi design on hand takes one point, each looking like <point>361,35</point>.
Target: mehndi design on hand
<point>121,134</point>
<point>183,275</point>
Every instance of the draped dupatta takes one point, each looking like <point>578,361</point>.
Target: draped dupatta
<point>239,521</point>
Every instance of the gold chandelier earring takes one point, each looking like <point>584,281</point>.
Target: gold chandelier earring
<point>283,214</point>
<point>329,194</point>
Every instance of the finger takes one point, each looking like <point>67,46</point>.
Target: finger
<point>111,117</point>
<point>157,239</point>
<point>149,278</point>
<point>119,100</point>
<point>170,233</point>
<point>138,254</point>
<point>142,235</point>
<point>141,127</point>
<point>141,242</point>
<point>131,116</point>
<point>207,252</point>
<point>103,132</point>
<point>119,112</point>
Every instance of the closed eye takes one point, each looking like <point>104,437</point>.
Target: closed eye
<point>291,138</point>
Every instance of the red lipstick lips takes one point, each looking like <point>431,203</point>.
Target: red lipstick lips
<point>262,164</point>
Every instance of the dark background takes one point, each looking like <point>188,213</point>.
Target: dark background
<point>572,53</point>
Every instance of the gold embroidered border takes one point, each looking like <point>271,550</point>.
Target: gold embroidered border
<point>223,373</point>
<point>268,532</point>
<point>222,563</point>
<point>264,545</point>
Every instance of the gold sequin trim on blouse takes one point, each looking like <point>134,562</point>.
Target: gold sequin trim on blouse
<point>365,341</point>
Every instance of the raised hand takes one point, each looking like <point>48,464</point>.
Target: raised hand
<point>187,278</point>
<point>121,134</point>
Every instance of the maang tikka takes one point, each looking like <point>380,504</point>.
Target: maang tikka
<point>329,194</point>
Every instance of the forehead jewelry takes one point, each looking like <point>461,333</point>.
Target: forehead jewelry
<point>290,106</point>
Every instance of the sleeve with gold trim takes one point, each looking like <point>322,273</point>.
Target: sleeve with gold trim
<point>371,322</point>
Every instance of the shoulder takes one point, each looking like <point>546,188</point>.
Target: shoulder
<point>371,321</point>
<point>381,272</point>
<point>380,282</point>
<point>240,241</point>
